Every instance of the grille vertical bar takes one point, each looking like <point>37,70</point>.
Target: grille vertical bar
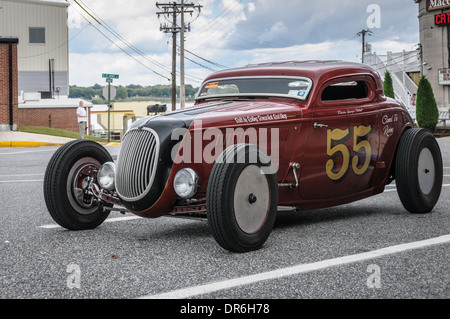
<point>136,163</point>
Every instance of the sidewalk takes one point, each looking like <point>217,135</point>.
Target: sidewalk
<point>22,139</point>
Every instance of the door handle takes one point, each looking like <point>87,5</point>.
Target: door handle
<point>316,125</point>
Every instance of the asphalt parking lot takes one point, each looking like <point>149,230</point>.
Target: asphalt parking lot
<point>372,248</point>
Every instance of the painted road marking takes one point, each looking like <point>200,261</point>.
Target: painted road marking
<point>295,270</point>
<point>395,189</point>
<point>16,175</point>
<point>108,220</point>
<point>126,218</point>
<point>23,181</point>
<point>23,152</point>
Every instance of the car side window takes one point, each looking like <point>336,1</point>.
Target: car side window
<point>348,90</point>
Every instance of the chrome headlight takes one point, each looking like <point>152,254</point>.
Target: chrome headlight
<point>105,176</point>
<point>186,183</point>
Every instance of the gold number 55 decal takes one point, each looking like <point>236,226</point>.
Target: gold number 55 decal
<point>360,145</point>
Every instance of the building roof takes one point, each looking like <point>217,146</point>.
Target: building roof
<point>54,103</point>
<point>8,39</point>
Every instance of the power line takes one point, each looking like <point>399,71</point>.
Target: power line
<point>120,48</point>
<point>199,64</point>
<point>213,63</point>
<point>122,39</point>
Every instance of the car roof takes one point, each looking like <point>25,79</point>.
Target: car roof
<point>314,69</point>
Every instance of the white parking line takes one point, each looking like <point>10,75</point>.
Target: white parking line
<point>121,219</point>
<point>109,220</point>
<point>24,152</point>
<point>23,181</point>
<point>395,189</point>
<point>17,175</point>
<point>295,270</point>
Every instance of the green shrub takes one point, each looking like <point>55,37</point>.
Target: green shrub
<point>427,113</point>
<point>388,86</point>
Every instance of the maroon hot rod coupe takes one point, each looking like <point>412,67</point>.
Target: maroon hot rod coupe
<point>308,135</point>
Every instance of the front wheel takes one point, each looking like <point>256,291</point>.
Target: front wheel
<point>418,171</point>
<point>70,170</point>
<point>242,203</point>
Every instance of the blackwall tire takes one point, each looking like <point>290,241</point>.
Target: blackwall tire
<point>418,171</point>
<point>241,205</point>
<point>69,166</point>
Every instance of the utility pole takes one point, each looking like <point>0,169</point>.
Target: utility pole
<point>170,9</point>
<point>363,33</point>
<point>182,84</point>
<point>174,9</point>
<point>420,52</point>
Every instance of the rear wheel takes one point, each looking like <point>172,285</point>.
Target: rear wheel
<point>69,172</point>
<point>418,171</point>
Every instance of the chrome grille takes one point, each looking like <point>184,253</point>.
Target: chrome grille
<point>136,163</point>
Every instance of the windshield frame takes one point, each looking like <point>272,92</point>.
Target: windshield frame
<point>228,95</point>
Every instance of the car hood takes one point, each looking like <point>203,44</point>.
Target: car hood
<point>229,112</point>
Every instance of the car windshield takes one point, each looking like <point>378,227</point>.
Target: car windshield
<point>292,87</point>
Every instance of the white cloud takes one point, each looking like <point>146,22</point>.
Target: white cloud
<point>86,69</point>
<point>235,33</point>
<point>251,7</point>
<point>278,29</point>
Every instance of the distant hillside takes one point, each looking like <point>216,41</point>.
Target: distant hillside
<point>132,91</point>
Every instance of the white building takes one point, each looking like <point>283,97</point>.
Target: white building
<point>434,27</point>
<point>43,50</point>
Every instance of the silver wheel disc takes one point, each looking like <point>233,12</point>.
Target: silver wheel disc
<point>251,199</point>
<point>426,171</point>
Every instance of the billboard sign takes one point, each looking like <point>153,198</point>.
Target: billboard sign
<point>437,4</point>
<point>444,76</point>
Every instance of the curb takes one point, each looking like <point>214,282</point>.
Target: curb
<point>37,144</point>
<point>27,144</point>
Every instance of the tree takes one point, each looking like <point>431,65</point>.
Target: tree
<point>388,86</point>
<point>427,113</point>
<point>121,93</point>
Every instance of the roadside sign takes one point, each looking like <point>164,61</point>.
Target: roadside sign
<point>110,76</point>
<point>109,92</point>
<point>113,92</point>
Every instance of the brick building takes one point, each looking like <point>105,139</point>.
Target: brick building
<point>54,113</point>
<point>40,64</point>
<point>8,83</point>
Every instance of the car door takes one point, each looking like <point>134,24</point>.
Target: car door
<point>343,142</point>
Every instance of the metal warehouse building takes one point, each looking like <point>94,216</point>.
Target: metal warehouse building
<point>42,88</point>
<point>43,54</point>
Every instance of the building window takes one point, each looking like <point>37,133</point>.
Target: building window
<point>37,35</point>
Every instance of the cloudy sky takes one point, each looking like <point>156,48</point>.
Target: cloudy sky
<point>125,37</point>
